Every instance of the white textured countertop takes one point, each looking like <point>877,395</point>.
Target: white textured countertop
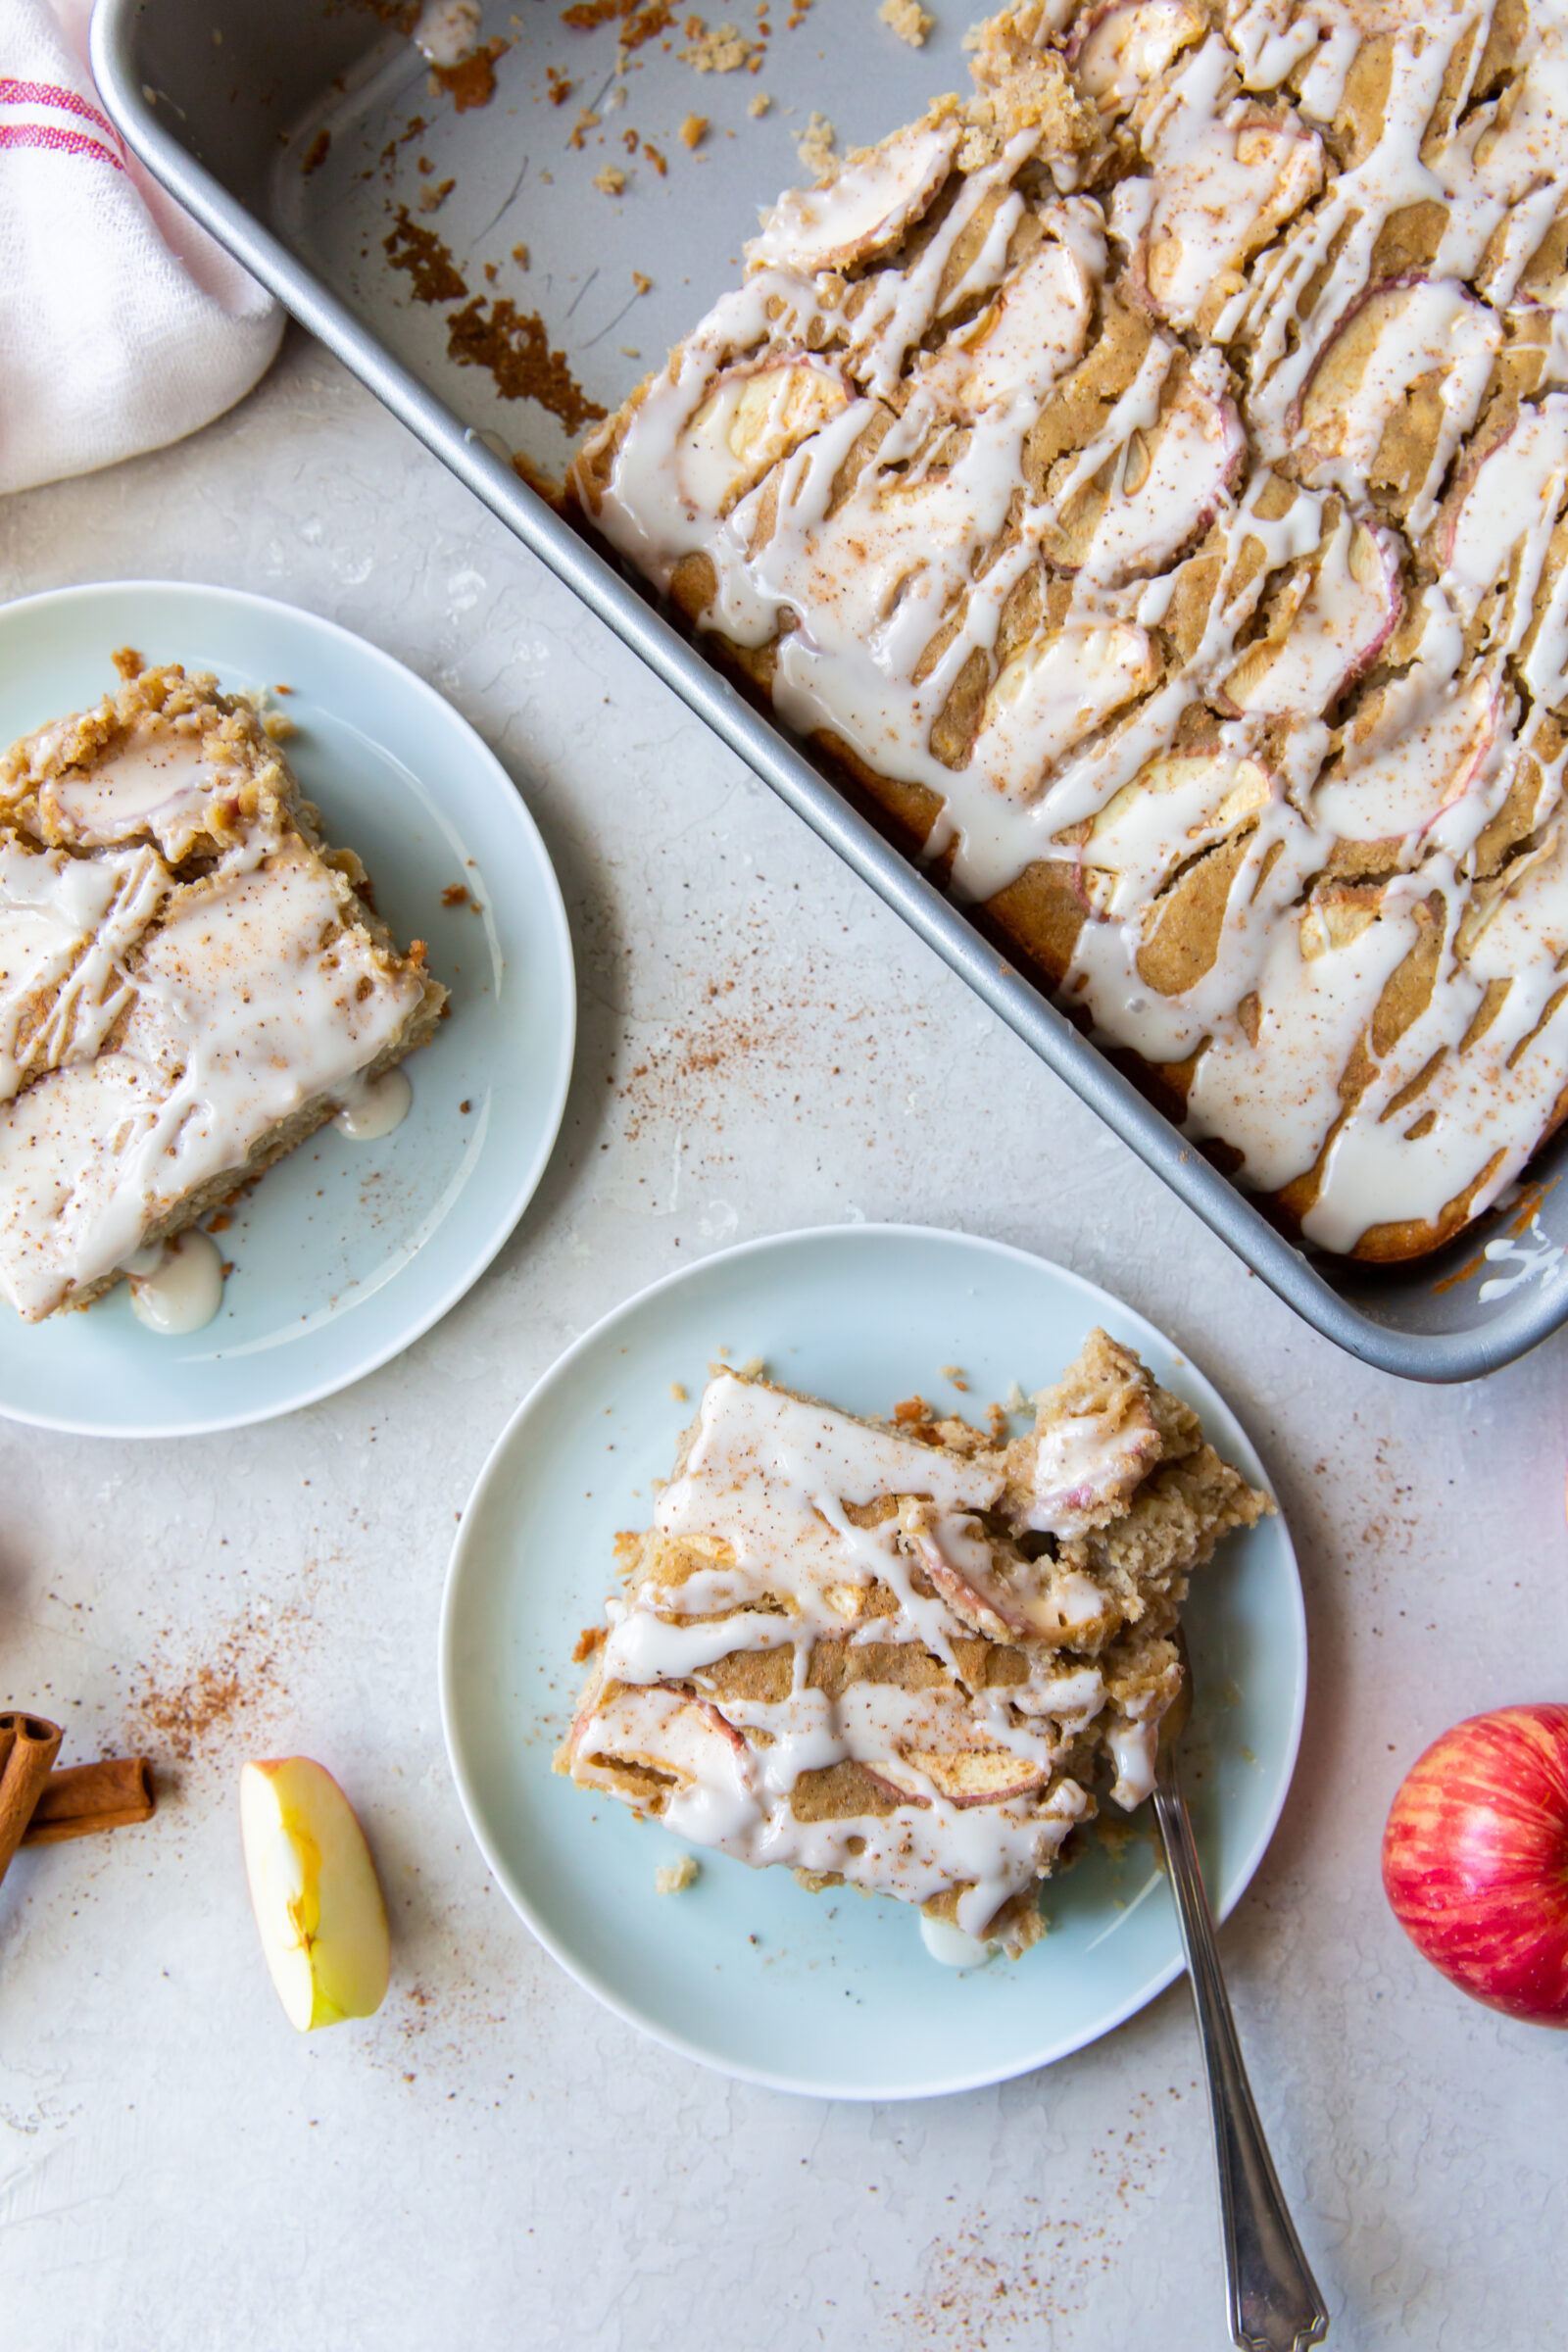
<point>494,2160</point>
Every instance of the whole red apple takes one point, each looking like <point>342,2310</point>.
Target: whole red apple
<point>1475,1859</point>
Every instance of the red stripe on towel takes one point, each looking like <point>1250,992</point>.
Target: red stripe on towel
<point>62,142</point>
<point>54,93</point>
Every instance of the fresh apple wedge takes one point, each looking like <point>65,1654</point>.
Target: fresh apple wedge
<point>318,1908</point>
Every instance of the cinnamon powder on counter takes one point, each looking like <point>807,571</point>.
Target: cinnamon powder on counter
<point>187,1702</point>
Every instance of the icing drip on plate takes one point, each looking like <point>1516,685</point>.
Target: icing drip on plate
<point>179,1288</point>
<point>953,1948</point>
<point>374,1106</point>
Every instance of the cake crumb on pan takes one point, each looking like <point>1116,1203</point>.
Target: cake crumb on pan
<point>723,50</point>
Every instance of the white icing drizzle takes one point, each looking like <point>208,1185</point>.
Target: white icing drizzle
<point>1271,38</point>
<point>1337,612</point>
<point>66,926</point>
<point>1404,334</point>
<point>1477,1091</point>
<point>868,514</point>
<point>177,1288</point>
<point>1400,789</point>
<point>1535,1259</point>
<point>1084,1462</point>
<point>1222,174</point>
<point>1120,49</point>
<point>1133,1745</point>
<point>869,206</point>
<point>156,781</point>
<point>1511,501</point>
<point>774,1492</point>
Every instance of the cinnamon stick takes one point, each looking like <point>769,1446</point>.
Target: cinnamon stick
<point>81,1799</point>
<point>28,1747</point>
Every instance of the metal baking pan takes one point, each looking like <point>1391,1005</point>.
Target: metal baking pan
<point>306,133</point>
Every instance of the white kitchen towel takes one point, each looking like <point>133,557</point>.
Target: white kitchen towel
<point>123,326</point>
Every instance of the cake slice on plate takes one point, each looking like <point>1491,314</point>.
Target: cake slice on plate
<point>190,981</point>
<point>904,1655</point>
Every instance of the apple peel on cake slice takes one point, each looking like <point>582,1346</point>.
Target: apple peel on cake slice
<point>904,1655</point>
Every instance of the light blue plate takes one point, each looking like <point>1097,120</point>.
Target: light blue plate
<point>832,1994</point>
<point>346,1252</point>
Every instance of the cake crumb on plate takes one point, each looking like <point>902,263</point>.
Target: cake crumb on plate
<point>908,20</point>
<point>817,145</point>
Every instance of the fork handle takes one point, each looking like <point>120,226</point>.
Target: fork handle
<point>1274,2301</point>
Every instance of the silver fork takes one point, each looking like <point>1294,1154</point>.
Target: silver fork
<point>1274,2301</point>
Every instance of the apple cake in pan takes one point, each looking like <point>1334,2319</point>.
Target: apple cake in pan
<point>1143,480</point>
<point>904,1655</point>
<point>190,983</point>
